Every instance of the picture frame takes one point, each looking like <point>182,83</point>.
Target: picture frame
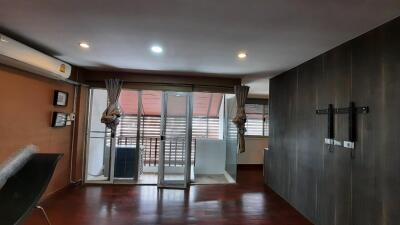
<point>60,98</point>
<point>59,119</point>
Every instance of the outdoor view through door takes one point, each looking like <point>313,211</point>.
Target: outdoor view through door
<point>137,155</point>
<point>175,160</point>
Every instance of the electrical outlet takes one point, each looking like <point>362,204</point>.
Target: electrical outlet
<point>348,144</point>
<point>329,141</point>
<point>337,143</point>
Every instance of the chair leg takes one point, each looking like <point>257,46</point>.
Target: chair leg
<point>44,214</point>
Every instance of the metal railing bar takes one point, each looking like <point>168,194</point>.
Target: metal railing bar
<point>155,153</point>
<point>151,140</point>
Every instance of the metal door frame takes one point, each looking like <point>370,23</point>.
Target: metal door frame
<point>112,155</point>
<point>87,144</point>
<point>188,139</point>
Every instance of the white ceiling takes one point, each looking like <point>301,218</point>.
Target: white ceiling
<point>197,35</point>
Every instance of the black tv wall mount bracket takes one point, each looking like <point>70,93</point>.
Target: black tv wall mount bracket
<point>351,112</point>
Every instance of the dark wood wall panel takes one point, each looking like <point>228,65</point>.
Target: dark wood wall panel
<point>367,89</point>
<point>286,104</point>
<point>388,176</point>
<point>308,152</point>
<point>325,199</point>
<point>376,82</point>
<point>325,183</point>
<point>335,193</point>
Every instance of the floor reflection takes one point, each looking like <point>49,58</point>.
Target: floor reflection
<point>248,202</point>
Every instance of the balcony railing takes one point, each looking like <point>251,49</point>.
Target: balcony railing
<point>174,149</point>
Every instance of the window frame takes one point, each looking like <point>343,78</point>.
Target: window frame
<point>208,121</point>
<point>265,103</point>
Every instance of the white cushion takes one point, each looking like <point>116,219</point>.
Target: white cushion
<point>15,163</point>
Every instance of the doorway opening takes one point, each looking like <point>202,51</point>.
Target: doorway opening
<point>164,138</point>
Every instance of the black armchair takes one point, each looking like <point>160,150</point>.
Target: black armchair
<point>23,191</point>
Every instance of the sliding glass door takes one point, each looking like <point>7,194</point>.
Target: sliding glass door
<point>127,147</point>
<point>164,138</point>
<point>176,131</point>
<point>99,153</point>
<point>113,160</point>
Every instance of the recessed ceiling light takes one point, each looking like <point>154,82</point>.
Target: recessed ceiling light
<point>242,55</point>
<point>84,45</point>
<point>156,49</point>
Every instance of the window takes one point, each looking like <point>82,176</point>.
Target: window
<point>257,117</point>
<point>205,127</point>
<point>207,115</point>
<point>206,121</point>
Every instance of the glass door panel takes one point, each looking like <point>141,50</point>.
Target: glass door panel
<point>231,136</point>
<point>99,154</point>
<point>150,122</point>
<point>176,130</point>
<point>126,166</point>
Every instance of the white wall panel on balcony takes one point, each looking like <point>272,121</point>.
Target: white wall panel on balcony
<point>210,156</point>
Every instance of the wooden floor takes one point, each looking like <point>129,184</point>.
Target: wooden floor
<point>248,202</point>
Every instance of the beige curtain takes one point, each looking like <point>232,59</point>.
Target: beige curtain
<point>112,113</point>
<point>241,93</point>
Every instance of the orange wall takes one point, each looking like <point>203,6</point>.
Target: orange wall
<point>25,118</point>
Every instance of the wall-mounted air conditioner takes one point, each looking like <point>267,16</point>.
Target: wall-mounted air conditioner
<point>16,54</point>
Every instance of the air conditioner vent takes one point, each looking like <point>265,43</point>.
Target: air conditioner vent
<point>18,55</point>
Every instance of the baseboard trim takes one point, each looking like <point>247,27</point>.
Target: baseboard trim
<point>250,166</point>
<point>60,191</point>
<point>229,178</point>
